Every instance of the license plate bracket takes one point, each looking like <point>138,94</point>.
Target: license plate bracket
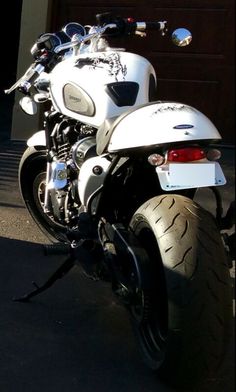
<point>176,176</point>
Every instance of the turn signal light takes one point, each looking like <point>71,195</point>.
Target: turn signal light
<point>156,159</point>
<point>213,155</point>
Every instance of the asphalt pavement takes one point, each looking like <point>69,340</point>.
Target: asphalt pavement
<point>75,336</point>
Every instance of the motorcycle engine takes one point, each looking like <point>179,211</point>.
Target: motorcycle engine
<point>73,143</point>
<point>82,150</point>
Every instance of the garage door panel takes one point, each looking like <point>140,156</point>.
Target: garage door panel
<point>197,4</point>
<point>191,92</point>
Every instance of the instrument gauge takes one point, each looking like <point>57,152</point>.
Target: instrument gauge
<point>73,28</point>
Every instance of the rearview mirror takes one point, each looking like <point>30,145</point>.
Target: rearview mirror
<point>181,37</point>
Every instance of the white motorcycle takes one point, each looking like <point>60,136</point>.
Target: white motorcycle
<point>111,178</point>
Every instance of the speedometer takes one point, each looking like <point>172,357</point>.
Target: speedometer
<point>73,28</point>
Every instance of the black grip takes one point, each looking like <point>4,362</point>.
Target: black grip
<point>153,25</point>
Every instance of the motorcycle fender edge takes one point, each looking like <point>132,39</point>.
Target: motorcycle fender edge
<point>38,139</point>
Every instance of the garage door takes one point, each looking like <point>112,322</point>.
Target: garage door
<point>202,74</point>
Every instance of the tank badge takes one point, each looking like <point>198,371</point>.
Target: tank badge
<point>183,126</point>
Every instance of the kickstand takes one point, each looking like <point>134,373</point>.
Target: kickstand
<point>59,273</point>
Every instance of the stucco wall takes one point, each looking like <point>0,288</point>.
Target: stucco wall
<point>34,21</point>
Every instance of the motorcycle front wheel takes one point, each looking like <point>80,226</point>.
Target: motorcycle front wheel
<point>32,183</point>
<point>183,323</point>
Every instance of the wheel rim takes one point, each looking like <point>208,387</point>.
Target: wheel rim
<point>41,192</point>
<point>39,188</point>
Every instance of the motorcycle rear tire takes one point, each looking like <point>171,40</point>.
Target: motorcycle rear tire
<point>186,321</point>
<point>31,174</point>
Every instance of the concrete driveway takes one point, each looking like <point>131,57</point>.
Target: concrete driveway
<point>75,336</point>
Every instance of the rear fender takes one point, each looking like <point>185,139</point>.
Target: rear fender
<point>161,123</point>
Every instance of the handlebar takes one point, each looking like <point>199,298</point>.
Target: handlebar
<point>122,26</point>
<point>80,39</point>
<point>148,26</point>
<point>111,26</point>
<point>129,25</point>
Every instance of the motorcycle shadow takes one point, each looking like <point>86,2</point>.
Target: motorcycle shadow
<point>75,336</point>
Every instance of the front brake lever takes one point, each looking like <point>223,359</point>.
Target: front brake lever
<point>33,70</point>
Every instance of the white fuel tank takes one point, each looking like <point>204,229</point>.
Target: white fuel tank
<point>94,86</point>
<point>160,123</point>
